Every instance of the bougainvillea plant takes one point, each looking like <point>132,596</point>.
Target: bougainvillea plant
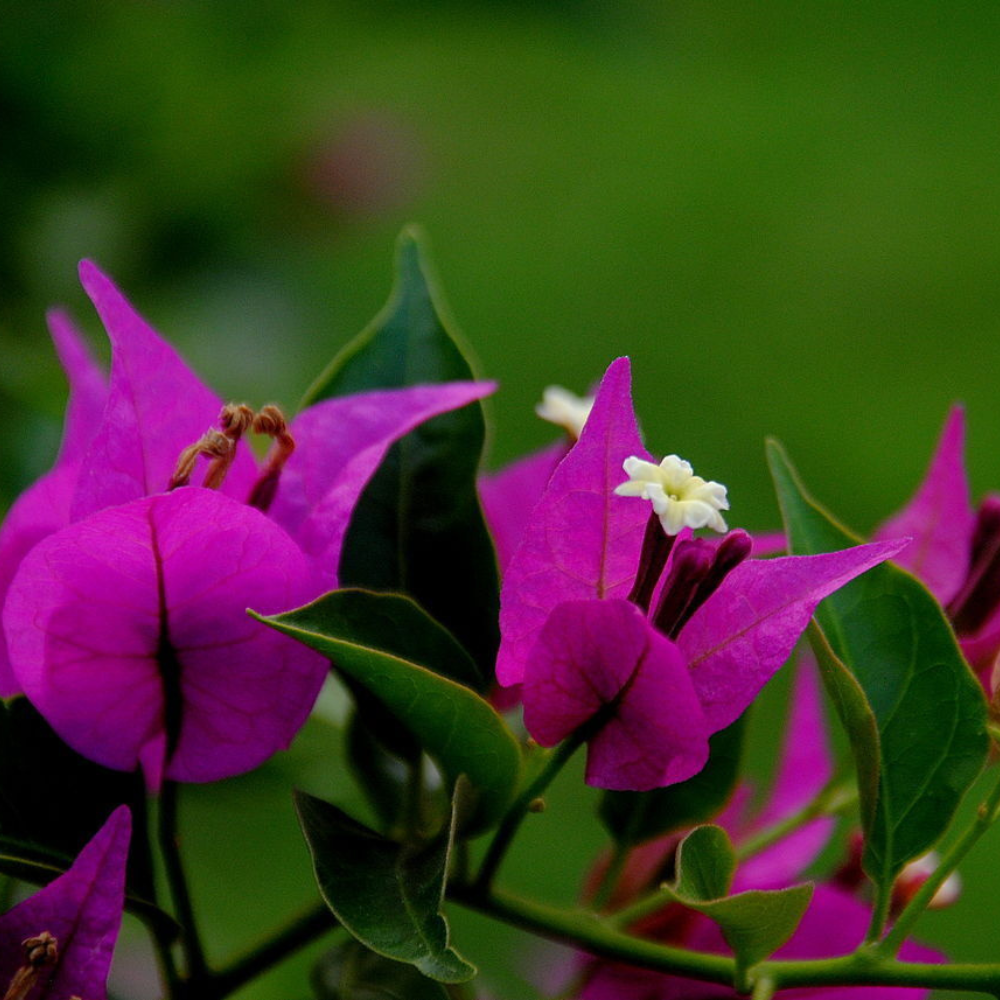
<point>172,606</point>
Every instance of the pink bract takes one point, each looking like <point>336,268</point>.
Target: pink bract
<point>582,547</point>
<point>597,655</point>
<point>124,611</point>
<point>137,612</point>
<point>582,540</point>
<point>939,518</point>
<point>835,922</point>
<point>82,910</point>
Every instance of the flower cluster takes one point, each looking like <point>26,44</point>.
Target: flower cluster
<point>124,591</point>
<point>663,638</point>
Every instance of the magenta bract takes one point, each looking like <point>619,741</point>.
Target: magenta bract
<point>45,506</point>
<point>509,496</point>
<point>138,611</point>
<point>125,606</point>
<point>956,549</point>
<point>835,922</point>
<point>582,546</point>
<point>939,518</point>
<point>595,656</point>
<point>582,541</point>
<point>82,911</point>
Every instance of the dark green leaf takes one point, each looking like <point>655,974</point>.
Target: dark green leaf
<point>857,718</point>
<point>754,923</point>
<point>930,711</point>
<point>398,626</point>
<point>52,800</point>
<point>388,895</point>
<point>353,972</point>
<point>452,723</point>
<point>418,528</point>
<point>382,775</point>
<point>632,817</point>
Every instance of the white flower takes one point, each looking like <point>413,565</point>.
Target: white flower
<point>679,497</point>
<point>565,409</point>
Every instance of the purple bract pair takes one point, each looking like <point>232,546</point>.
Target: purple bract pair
<point>124,604</point>
<point>670,638</point>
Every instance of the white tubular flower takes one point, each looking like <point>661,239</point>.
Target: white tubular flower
<point>565,409</point>
<point>680,498</point>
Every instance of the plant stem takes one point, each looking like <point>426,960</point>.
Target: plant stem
<point>300,931</point>
<point>619,855</point>
<point>194,955</point>
<point>588,933</point>
<point>763,989</point>
<point>832,800</point>
<point>880,911</point>
<point>642,907</point>
<point>519,808</point>
<point>986,815</point>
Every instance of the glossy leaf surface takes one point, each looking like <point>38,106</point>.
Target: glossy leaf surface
<point>452,723</point>
<point>388,895</point>
<point>754,923</point>
<point>419,528</point>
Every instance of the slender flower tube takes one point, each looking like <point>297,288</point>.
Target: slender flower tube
<point>125,591</point>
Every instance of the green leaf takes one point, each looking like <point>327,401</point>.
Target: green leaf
<point>382,775</point>
<point>857,718</point>
<point>52,800</point>
<point>929,709</point>
<point>418,528</point>
<point>451,722</point>
<point>633,817</point>
<point>353,972</point>
<point>706,863</point>
<point>397,625</point>
<point>388,895</point>
<point>754,923</point>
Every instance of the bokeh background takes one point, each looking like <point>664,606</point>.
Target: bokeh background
<point>786,213</point>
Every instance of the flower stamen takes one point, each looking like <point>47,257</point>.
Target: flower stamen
<point>271,422</point>
<point>40,952</point>
<point>218,445</point>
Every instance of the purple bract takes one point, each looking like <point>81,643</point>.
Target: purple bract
<point>58,943</point>
<point>719,625</point>
<point>124,605</point>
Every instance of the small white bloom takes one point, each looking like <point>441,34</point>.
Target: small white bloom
<point>918,871</point>
<point>679,497</point>
<point>565,409</point>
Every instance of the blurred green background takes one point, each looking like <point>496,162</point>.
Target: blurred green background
<point>786,213</point>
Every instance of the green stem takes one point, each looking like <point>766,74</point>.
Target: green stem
<point>642,907</point>
<point>194,955</point>
<point>302,930</point>
<point>764,989</point>
<point>986,815</point>
<point>585,931</point>
<point>520,807</point>
<point>880,911</point>
<point>619,855</point>
<point>832,800</point>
